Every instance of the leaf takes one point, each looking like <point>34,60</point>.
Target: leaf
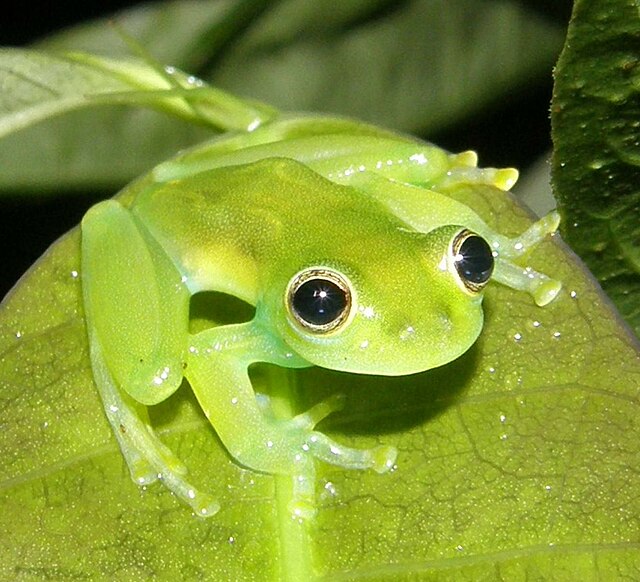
<point>595,115</point>
<point>349,58</point>
<point>518,460</point>
<point>37,86</point>
<point>416,66</point>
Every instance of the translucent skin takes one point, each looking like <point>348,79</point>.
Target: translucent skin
<point>243,215</point>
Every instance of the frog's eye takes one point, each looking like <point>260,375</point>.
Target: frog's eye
<point>473,260</point>
<point>319,299</point>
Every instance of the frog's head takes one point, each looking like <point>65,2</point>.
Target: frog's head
<point>408,307</point>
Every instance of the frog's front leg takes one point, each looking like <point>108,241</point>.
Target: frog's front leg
<point>217,369</point>
<point>136,310</point>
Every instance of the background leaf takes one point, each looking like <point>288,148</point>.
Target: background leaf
<point>596,164</point>
<point>290,54</point>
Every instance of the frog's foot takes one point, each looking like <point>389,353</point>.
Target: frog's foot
<point>307,419</point>
<point>148,458</point>
<point>538,285</point>
<point>516,247</point>
<point>464,170</point>
<point>302,504</point>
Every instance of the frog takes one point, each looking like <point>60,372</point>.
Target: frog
<point>347,243</point>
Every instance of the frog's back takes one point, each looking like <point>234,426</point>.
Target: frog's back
<point>225,227</point>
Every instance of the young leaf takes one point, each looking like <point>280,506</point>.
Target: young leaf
<point>37,86</point>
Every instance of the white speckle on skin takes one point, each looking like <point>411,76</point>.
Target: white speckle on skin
<point>18,334</point>
<point>364,345</point>
<point>407,333</point>
<point>74,274</point>
<point>234,400</point>
<point>330,488</point>
<point>503,418</point>
<point>517,336</point>
<point>556,334</point>
<point>536,324</point>
<point>367,311</point>
<point>573,294</point>
<point>418,159</point>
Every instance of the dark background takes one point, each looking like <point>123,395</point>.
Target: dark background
<point>28,225</point>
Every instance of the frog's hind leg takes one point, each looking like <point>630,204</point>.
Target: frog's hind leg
<point>137,330</point>
<point>147,458</point>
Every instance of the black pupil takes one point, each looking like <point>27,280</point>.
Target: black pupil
<point>319,301</point>
<point>475,262</point>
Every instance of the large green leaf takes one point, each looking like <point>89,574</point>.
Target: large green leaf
<point>517,461</point>
<point>596,163</point>
<point>419,65</point>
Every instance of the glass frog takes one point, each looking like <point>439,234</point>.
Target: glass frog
<point>344,239</point>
